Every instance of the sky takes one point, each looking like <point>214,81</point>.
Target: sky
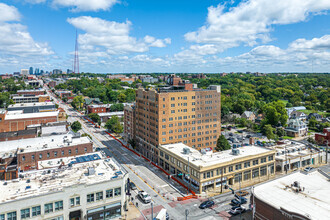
<point>209,36</point>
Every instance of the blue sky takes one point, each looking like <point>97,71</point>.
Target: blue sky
<point>166,36</point>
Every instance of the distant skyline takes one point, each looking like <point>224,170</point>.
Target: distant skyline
<point>166,36</point>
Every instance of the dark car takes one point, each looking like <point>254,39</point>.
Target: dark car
<point>248,136</point>
<point>132,185</point>
<point>230,134</point>
<point>238,201</point>
<point>206,204</point>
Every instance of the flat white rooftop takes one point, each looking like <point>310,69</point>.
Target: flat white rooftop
<point>312,202</point>
<point>31,104</point>
<point>56,179</point>
<point>31,90</point>
<point>110,114</point>
<point>210,158</point>
<point>43,143</point>
<point>12,115</point>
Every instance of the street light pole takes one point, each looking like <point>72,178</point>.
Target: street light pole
<point>152,211</point>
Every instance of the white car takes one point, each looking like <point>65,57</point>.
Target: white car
<point>144,196</point>
<point>237,210</point>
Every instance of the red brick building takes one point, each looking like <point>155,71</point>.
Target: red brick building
<point>28,152</point>
<point>31,92</point>
<point>16,120</point>
<point>129,122</point>
<point>97,108</point>
<point>322,138</point>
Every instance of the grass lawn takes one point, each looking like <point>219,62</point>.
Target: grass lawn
<point>284,101</point>
<point>287,137</point>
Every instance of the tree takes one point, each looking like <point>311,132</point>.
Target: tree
<point>269,132</point>
<point>275,113</point>
<point>312,123</point>
<point>95,117</point>
<point>280,132</point>
<point>77,101</point>
<point>76,126</point>
<point>132,142</point>
<point>122,97</point>
<point>113,124</point>
<point>222,144</point>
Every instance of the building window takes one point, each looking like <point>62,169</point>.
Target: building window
<point>85,149</point>
<point>11,216</point>
<point>40,156</point>
<point>255,162</point>
<point>230,169</point>
<point>263,160</point>
<point>270,158</point>
<point>48,155</point>
<point>238,166</point>
<point>69,152</point>
<point>36,210</point>
<point>172,105</point>
<point>23,158</point>
<point>255,173</point>
<point>172,98</point>
<point>32,157</point>
<point>247,164</point>
<point>72,202</point>
<point>62,152</point>
<point>55,154</point>
<point>90,198</point>
<point>117,191</point>
<point>76,150</point>
<point>238,177</point>
<point>109,193</point>
<point>172,111</point>
<point>25,213</point>
<point>99,196</point>
<point>247,175</point>
<point>263,171</point>
<point>58,205</point>
<point>49,208</point>
<point>2,216</point>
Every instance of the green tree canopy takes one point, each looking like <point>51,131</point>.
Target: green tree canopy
<point>113,124</point>
<point>95,117</point>
<point>222,144</point>
<point>76,126</point>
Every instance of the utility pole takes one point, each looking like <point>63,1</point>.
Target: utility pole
<point>326,153</point>
<point>152,211</point>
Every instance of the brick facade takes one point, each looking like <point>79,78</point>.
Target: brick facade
<point>29,160</point>
<point>92,109</point>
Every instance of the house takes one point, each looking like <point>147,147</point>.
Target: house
<point>296,128</point>
<point>248,115</point>
<point>322,138</point>
<point>259,118</point>
<point>298,115</point>
<point>315,115</point>
<point>297,108</point>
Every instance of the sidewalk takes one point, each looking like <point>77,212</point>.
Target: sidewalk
<point>133,212</point>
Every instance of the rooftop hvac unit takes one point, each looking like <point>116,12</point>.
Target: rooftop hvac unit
<point>235,151</point>
<point>186,150</point>
<point>91,171</point>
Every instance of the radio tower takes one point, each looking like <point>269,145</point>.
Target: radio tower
<point>76,57</point>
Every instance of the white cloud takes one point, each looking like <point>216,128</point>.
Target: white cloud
<point>322,43</point>
<point>8,13</point>
<point>112,37</point>
<point>36,1</point>
<point>251,21</point>
<point>85,5</point>
<point>17,47</point>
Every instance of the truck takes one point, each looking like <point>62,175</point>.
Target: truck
<point>162,215</point>
<point>145,197</point>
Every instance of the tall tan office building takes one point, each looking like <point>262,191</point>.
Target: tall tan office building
<point>176,114</point>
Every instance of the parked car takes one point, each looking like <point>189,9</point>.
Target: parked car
<point>307,169</point>
<point>235,210</point>
<point>132,185</point>
<point>230,134</point>
<point>242,193</point>
<point>206,204</point>
<point>145,197</point>
<point>248,136</point>
<point>236,202</point>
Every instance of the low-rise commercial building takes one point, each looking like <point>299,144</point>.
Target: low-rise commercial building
<point>105,116</point>
<point>85,187</point>
<point>16,135</point>
<point>210,171</point>
<point>33,107</point>
<point>291,156</point>
<point>63,93</point>
<point>30,98</point>
<point>323,138</point>
<point>300,195</point>
<point>31,92</point>
<point>17,120</point>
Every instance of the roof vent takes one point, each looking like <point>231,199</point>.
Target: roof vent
<point>186,150</point>
<point>296,184</point>
<point>91,171</point>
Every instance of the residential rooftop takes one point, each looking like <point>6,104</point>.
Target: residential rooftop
<point>121,113</point>
<point>312,201</point>
<point>31,90</point>
<point>12,115</point>
<point>73,172</point>
<point>43,143</point>
<point>210,158</point>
